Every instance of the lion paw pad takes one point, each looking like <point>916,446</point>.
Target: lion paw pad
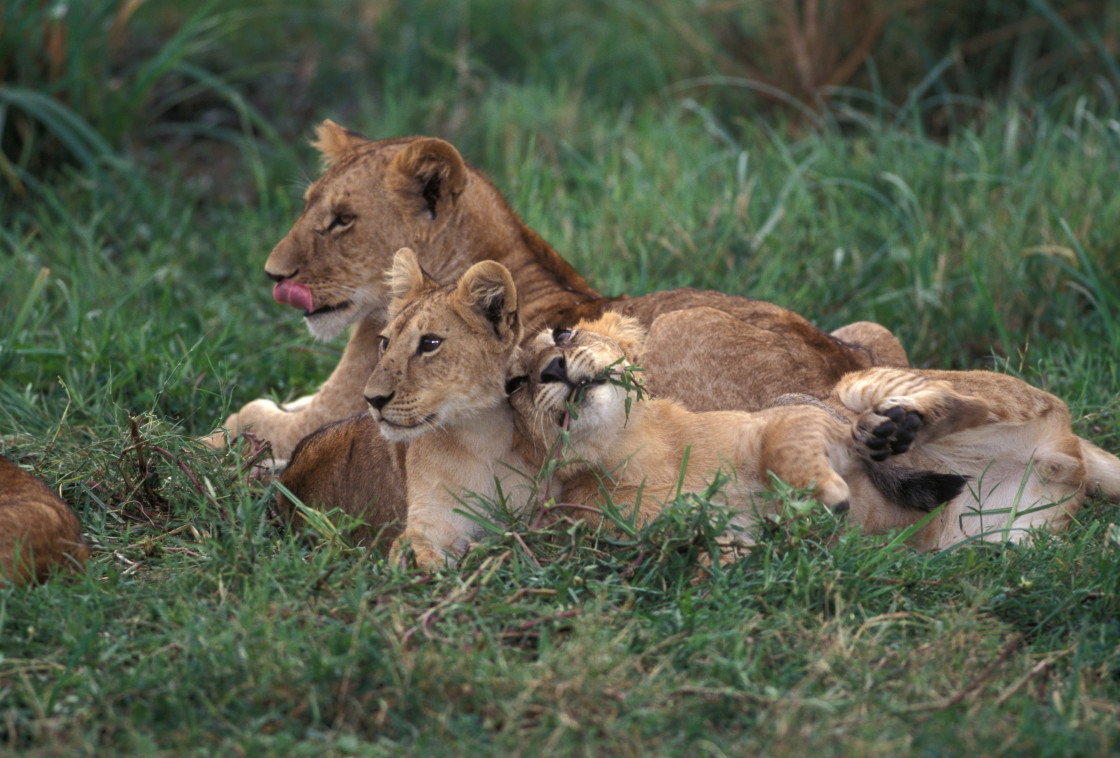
<point>894,433</point>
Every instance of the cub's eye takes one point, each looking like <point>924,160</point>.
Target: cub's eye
<point>516,383</point>
<point>428,343</point>
<point>560,335</point>
<point>341,221</point>
<point>383,345</point>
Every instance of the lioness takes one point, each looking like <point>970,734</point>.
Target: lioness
<point>376,197</point>
<point>38,532</point>
<point>1025,467</point>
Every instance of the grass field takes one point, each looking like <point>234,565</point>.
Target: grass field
<point>136,315</point>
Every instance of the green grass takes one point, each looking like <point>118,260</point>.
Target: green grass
<point>136,315</point>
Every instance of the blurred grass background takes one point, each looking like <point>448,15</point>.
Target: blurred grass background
<point>948,168</point>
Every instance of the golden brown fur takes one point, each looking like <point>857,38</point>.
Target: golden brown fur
<point>1027,469</point>
<point>376,197</point>
<point>38,532</point>
<point>440,386</point>
<point>325,467</point>
<point>1025,466</point>
<point>657,447</point>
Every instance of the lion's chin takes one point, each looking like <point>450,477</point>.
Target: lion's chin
<point>327,323</point>
<point>400,433</point>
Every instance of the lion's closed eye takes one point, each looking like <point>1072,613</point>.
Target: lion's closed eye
<point>516,383</point>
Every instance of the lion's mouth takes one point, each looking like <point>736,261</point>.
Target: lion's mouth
<point>575,399</point>
<point>393,426</point>
<point>298,295</point>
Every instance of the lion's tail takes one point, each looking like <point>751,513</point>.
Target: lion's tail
<point>1102,471</point>
<point>914,488</point>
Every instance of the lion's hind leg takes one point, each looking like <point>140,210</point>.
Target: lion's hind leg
<point>894,406</point>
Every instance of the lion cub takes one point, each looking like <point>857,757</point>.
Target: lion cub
<point>647,451</point>
<point>38,532</point>
<point>1010,442</point>
<point>440,386</point>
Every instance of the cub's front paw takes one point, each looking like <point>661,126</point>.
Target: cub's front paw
<point>888,430</point>
<point>409,550</point>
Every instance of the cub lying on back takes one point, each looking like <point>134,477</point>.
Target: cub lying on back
<point>1024,465</point>
<point>38,532</point>
<point>569,378</point>
<point>440,385</point>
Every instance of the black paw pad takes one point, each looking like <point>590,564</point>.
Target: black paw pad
<point>895,435</point>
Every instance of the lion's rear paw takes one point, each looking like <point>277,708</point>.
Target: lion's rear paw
<point>888,430</point>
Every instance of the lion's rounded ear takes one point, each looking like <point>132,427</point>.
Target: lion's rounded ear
<point>627,331</point>
<point>487,288</point>
<point>429,174</point>
<point>406,280</point>
<point>333,141</point>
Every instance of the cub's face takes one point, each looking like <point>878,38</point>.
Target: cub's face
<point>566,370</point>
<point>444,355</point>
<point>436,369</point>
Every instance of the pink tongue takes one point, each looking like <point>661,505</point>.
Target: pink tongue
<point>294,294</point>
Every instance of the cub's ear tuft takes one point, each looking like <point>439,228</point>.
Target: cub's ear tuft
<point>487,288</point>
<point>406,280</point>
<point>429,174</point>
<point>333,141</point>
<point>627,331</point>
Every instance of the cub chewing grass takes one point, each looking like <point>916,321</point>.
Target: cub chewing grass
<point>39,533</point>
<point>1012,443</point>
<point>646,452</point>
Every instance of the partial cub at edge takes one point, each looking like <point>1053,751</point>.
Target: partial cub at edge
<point>38,532</point>
<point>1026,467</point>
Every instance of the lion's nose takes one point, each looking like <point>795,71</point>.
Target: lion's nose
<point>379,401</point>
<point>555,371</point>
<point>280,277</point>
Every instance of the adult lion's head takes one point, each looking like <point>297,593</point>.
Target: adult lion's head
<point>372,199</point>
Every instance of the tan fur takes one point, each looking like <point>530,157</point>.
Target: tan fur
<point>1012,440</point>
<point>325,467</point>
<point>38,532</point>
<point>376,197</point>
<point>440,386</point>
<point>1027,468</point>
<point>659,447</point>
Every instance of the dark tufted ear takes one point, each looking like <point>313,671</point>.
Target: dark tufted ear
<point>333,141</point>
<point>428,175</point>
<point>406,280</point>
<point>488,290</point>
